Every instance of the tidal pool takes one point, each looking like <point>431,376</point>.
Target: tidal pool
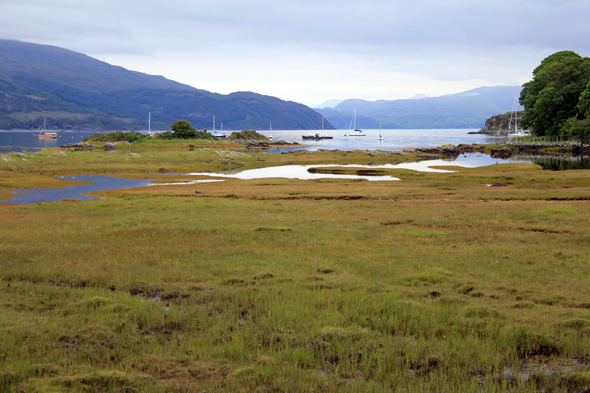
<point>104,183</point>
<point>99,183</point>
<point>301,172</point>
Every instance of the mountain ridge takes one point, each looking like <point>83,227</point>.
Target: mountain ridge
<point>75,91</point>
<point>468,109</point>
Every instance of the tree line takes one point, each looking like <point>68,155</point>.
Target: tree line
<point>557,99</point>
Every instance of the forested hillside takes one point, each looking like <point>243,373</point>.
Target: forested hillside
<point>75,91</point>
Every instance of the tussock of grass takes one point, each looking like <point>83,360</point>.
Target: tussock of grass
<point>275,229</point>
<point>574,323</point>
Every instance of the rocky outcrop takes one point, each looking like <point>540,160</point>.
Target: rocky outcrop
<point>503,152</point>
<point>450,150</point>
<point>77,146</point>
<point>252,144</point>
<point>429,150</point>
<point>500,124</point>
<point>530,146</point>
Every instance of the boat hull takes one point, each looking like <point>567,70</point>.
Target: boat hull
<point>315,138</point>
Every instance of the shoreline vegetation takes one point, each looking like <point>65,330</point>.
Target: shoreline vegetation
<point>434,283</point>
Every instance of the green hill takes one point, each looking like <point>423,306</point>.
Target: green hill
<point>75,91</point>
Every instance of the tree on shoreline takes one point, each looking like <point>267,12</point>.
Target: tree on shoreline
<point>553,98</point>
<point>182,129</point>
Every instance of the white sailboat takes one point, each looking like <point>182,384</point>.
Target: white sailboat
<point>217,134</point>
<point>150,124</point>
<point>516,131</point>
<point>353,131</point>
<point>270,135</point>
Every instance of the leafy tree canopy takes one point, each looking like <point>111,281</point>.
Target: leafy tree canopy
<point>578,129</point>
<point>182,130</point>
<point>553,95</point>
<point>584,104</point>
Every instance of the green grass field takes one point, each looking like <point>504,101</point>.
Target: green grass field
<point>435,283</point>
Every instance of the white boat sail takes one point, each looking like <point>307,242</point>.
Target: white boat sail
<point>353,131</point>
<point>516,131</point>
<point>217,134</point>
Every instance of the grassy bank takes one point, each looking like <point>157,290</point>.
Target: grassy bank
<point>432,283</point>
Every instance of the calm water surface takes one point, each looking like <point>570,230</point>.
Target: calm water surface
<point>393,139</point>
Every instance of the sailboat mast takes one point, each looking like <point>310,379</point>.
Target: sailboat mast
<point>213,123</point>
<point>270,133</point>
<point>149,122</point>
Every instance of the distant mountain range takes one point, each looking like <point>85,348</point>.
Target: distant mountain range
<point>469,109</point>
<point>75,91</point>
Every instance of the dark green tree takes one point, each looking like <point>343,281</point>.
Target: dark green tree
<point>182,130</point>
<point>584,103</point>
<point>578,129</point>
<point>552,96</point>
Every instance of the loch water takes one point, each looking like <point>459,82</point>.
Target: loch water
<point>392,139</point>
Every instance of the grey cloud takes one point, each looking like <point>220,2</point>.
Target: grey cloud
<point>339,25</point>
<point>442,40</point>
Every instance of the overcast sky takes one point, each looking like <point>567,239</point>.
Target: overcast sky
<point>310,51</point>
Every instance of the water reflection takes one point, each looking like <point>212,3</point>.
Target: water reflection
<point>561,163</point>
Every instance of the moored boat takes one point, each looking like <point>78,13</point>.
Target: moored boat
<point>355,131</point>
<point>43,134</point>
<point>317,136</point>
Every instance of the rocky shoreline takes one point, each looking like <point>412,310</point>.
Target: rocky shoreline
<point>499,124</point>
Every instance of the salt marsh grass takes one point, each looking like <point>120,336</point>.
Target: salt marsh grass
<point>434,283</point>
